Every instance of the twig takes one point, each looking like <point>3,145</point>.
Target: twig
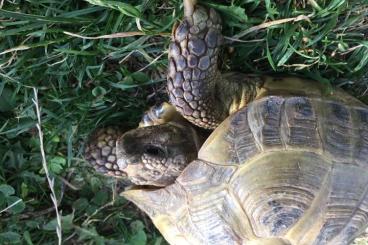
<point>44,165</point>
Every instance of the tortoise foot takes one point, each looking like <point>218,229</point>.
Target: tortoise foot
<point>160,114</point>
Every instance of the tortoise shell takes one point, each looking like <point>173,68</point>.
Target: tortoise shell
<point>283,170</point>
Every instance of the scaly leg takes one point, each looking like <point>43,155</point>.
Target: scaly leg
<point>197,88</point>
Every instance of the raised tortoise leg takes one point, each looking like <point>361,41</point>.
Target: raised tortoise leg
<point>193,66</point>
<point>196,87</point>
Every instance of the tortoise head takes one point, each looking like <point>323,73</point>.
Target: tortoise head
<point>152,155</point>
<point>156,155</point>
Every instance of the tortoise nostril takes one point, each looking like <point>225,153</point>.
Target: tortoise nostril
<point>154,151</point>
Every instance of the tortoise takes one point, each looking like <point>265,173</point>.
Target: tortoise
<point>286,163</point>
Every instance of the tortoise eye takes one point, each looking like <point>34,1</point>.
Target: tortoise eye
<point>154,151</point>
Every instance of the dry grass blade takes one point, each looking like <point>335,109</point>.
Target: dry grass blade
<point>115,35</point>
<point>44,165</point>
<point>10,206</point>
<point>269,24</point>
<point>19,48</point>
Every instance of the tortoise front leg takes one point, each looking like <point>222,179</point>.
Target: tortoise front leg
<point>197,88</point>
<point>193,69</point>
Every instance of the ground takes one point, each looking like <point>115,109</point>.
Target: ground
<point>97,62</point>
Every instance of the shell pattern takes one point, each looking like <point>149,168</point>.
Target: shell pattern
<point>290,168</point>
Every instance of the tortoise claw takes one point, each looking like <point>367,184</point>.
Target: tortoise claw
<point>189,7</point>
<point>158,115</point>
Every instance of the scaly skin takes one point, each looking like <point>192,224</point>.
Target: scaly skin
<point>197,88</point>
<point>100,151</point>
<point>155,153</point>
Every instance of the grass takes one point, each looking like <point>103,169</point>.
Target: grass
<point>85,80</point>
